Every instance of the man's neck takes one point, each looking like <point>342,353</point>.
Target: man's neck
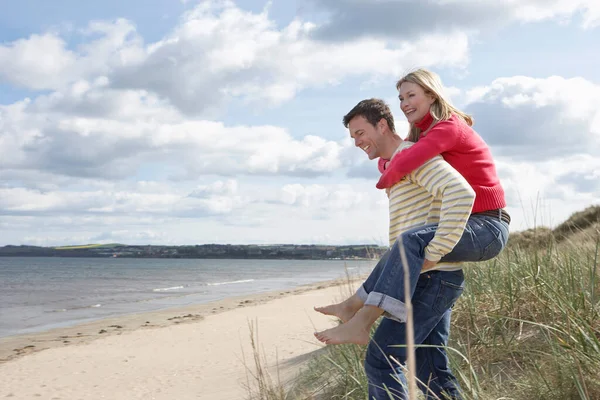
<point>390,147</point>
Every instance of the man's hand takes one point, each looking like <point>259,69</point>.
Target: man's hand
<point>427,265</point>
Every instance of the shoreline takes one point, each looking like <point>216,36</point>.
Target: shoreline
<point>206,351</point>
<point>17,346</point>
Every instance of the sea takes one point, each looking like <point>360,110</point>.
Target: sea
<point>42,293</point>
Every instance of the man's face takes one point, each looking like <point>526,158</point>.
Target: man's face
<point>366,136</point>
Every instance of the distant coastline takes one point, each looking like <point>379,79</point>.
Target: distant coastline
<point>212,251</point>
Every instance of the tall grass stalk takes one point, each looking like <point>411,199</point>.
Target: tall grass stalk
<point>260,385</point>
<point>410,331</point>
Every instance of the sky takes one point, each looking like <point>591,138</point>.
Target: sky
<point>192,122</point>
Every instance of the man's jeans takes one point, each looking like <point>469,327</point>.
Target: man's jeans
<point>434,296</point>
<point>484,238</point>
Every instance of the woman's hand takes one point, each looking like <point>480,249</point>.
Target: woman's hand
<point>428,265</point>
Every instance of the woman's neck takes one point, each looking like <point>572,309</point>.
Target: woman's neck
<point>425,122</point>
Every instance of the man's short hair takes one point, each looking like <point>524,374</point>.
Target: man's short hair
<point>372,110</point>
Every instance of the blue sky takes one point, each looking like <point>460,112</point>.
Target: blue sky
<point>187,122</point>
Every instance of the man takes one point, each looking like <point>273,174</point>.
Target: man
<point>428,213</point>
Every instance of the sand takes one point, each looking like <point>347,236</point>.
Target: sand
<point>199,352</point>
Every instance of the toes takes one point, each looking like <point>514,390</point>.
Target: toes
<point>321,336</point>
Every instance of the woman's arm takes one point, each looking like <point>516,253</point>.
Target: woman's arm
<point>442,137</point>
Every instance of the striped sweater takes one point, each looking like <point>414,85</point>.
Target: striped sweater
<point>434,193</point>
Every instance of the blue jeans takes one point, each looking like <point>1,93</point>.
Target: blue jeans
<point>484,238</point>
<point>433,299</point>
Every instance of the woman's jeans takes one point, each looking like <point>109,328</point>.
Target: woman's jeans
<point>484,238</point>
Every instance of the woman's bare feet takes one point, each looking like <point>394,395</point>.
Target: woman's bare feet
<point>356,330</point>
<point>344,310</point>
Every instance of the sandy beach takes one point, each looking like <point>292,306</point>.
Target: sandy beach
<point>198,352</point>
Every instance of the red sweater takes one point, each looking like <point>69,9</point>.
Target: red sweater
<point>462,148</point>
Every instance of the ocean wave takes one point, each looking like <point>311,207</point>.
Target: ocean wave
<point>230,283</point>
<point>75,308</point>
<point>167,289</point>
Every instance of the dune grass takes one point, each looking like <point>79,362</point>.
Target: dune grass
<point>526,327</point>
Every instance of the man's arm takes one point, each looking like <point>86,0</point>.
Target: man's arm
<point>443,181</point>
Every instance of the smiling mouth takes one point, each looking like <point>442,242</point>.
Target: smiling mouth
<point>366,147</point>
<point>407,113</point>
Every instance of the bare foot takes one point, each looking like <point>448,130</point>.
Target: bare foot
<point>344,310</point>
<point>345,333</point>
<point>356,330</point>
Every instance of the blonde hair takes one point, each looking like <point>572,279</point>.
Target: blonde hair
<point>441,109</point>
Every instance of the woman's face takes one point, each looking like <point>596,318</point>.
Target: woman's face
<point>414,102</point>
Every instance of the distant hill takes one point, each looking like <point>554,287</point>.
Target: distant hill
<point>88,246</point>
<point>580,227</point>
<point>283,251</point>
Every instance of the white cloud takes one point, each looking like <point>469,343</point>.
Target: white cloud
<point>332,198</point>
<point>537,119</point>
<point>152,200</point>
<point>562,10</point>
<point>392,19</point>
<point>22,201</point>
<point>218,52</point>
<point>166,213</point>
<point>128,236</point>
<point>548,192</point>
<point>44,61</point>
<point>228,188</point>
<point>89,130</point>
<point>21,64</point>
